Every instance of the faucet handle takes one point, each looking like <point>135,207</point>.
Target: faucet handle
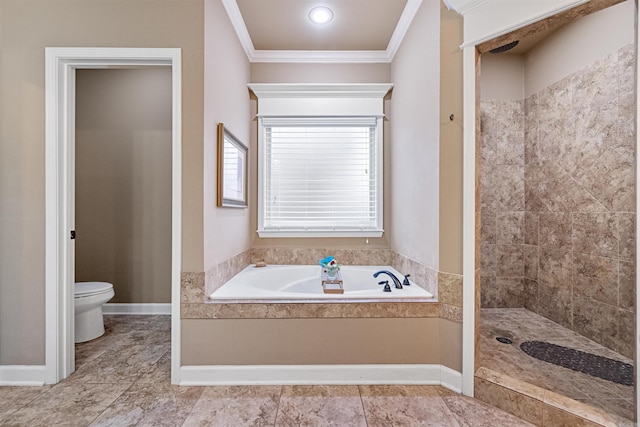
<point>386,288</point>
<point>406,282</point>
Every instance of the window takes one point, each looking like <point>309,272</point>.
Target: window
<point>320,160</point>
<point>321,176</point>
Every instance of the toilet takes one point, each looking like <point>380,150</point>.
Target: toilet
<point>88,299</point>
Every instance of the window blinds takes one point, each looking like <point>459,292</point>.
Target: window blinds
<point>321,174</point>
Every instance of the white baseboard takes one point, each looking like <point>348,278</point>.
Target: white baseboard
<point>450,379</point>
<point>137,308</point>
<point>320,375</point>
<point>23,375</point>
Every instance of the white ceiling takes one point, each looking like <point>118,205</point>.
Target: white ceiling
<point>361,31</point>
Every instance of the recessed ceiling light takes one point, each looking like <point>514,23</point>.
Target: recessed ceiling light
<point>320,15</point>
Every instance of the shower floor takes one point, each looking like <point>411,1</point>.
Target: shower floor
<point>520,325</point>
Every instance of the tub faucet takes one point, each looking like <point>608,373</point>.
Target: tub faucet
<point>396,281</point>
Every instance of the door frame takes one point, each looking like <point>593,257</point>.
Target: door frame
<point>61,64</point>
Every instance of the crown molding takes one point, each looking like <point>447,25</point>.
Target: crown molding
<point>322,56</point>
<point>464,6</point>
<point>320,90</point>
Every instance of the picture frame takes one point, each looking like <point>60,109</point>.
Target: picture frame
<point>232,170</point>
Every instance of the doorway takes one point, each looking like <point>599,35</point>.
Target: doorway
<point>61,66</point>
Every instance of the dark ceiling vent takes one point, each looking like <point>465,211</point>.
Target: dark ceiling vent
<point>506,47</point>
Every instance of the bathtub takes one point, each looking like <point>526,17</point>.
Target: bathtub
<point>297,283</point>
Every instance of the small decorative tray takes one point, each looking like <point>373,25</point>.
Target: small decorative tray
<point>332,286</point>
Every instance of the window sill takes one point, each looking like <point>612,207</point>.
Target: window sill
<point>312,234</point>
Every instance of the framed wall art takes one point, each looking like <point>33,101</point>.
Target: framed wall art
<point>232,170</point>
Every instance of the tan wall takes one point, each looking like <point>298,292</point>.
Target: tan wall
<point>577,45</point>
<point>123,182</point>
<point>451,142</point>
<point>502,77</point>
<point>414,155</point>
<point>226,99</point>
<point>27,27</point>
<point>320,341</point>
<point>318,73</point>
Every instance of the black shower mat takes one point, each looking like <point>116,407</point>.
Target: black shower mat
<point>587,363</point>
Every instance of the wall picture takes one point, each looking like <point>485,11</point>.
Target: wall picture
<point>232,170</point>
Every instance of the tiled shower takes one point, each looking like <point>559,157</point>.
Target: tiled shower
<point>558,202</point>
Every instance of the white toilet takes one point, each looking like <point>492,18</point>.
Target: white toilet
<point>89,297</point>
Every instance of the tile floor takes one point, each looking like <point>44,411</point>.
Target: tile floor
<point>123,379</point>
<point>519,325</point>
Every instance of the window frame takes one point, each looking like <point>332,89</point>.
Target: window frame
<point>318,101</point>
<point>375,231</point>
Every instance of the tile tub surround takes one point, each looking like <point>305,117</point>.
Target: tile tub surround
<point>558,211</point>
<point>146,397</point>
<point>518,383</point>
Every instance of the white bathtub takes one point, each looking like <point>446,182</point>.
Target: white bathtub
<point>283,283</point>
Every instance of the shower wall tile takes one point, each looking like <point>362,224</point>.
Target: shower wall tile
<point>596,277</point>
<point>611,181</point>
<point>575,181</point>
<point>596,320</point>
<point>489,293</point>
<point>530,295</point>
<point>554,268</point>
<point>531,224</point>
<point>509,148</point>
<point>531,261</point>
<point>488,258</point>
<point>627,285</point>
<point>596,234</point>
<point>510,261</point>
<point>488,228</point>
<point>626,333</point>
<point>510,228</point>
<point>554,230</point>
<point>555,304</point>
<point>554,101</point>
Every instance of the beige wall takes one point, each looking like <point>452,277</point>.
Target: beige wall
<point>414,156</point>
<point>451,142</point>
<point>123,181</point>
<point>318,73</point>
<point>27,27</point>
<point>502,77</point>
<point>226,99</point>
<point>577,45</point>
<point>320,341</point>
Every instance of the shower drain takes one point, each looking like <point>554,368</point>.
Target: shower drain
<point>504,340</point>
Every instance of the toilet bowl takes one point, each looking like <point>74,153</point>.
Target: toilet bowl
<point>88,300</point>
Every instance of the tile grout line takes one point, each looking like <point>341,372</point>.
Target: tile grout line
<point>275,419</point>
<point>364,412</point>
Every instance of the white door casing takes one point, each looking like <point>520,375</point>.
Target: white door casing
<point>60,66</point>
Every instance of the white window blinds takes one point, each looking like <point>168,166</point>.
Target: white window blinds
<point>321,175</point>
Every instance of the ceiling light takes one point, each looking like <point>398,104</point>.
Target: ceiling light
<point>321,15</point>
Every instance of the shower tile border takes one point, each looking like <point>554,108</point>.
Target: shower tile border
<point>491,385</point>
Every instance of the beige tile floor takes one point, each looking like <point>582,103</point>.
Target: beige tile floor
<point>519,325</point>
<point>123,379</point>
